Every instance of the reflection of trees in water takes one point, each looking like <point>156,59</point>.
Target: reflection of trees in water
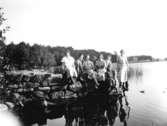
<point>98,108</point>
<point>95,110</point>
<point>101,111</point>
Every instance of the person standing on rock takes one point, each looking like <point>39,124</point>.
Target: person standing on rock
<point>79,64</point>
<point>123,70</point>
<point>100,66</point>
<point>108,63</point>
<point>68,63</point>
<point>88,65</point>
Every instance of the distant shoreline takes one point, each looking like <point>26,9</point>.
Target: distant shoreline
<point>146,61</point>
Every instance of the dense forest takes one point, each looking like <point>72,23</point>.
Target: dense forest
<point>25,56</point>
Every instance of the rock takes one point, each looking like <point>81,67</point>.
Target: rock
<point>142,91</point>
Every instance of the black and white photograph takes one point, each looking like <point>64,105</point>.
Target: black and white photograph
<point>83,63</point>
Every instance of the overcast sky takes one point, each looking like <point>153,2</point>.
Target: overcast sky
<point>138,26</point>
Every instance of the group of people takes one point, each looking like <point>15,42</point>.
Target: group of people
<point>100,66</point>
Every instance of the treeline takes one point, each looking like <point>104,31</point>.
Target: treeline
<point>25,56</point>
<point>140,58</point>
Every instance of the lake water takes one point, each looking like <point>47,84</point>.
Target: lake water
<point>147,98</point>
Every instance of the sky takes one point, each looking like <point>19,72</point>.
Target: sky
<point>137,26</point>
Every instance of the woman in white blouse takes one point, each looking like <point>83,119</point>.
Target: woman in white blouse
<point>123,69</point>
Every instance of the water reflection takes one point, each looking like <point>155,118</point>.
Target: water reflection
<point>135,72</point>
<point>146,95</point>
<point>92,110</point>
<point>102,110</point>
<point>96,111</point>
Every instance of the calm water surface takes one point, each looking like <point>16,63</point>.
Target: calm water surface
<point>147,97</point>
